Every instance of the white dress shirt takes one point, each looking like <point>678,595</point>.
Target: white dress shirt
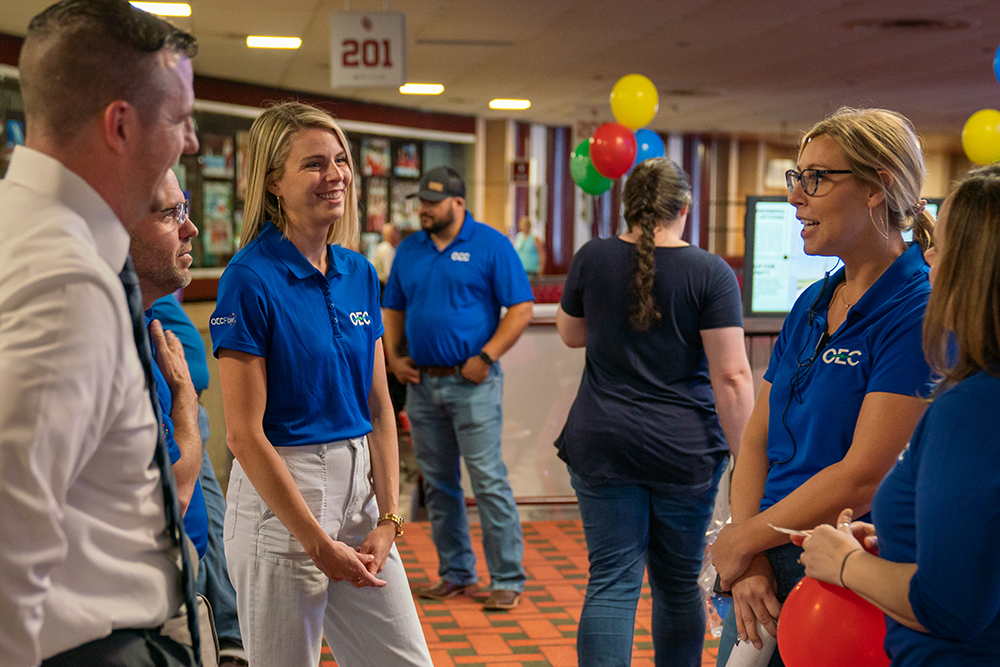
<point>83,542</point>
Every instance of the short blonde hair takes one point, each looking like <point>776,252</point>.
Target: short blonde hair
<point>875,140</point>
<point>267,151</point>
<point>965,300</point>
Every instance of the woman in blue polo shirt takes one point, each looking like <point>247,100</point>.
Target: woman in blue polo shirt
<point>933,567</point>
<point>313,493</point>
<point>847,377</point>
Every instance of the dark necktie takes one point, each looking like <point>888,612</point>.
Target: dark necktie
<point>175,525</point>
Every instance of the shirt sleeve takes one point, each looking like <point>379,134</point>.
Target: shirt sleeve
<point>240,320</point>
<point>55,352</point>
<point>171,315</point>
<point>393,296</point>
<point>954,592</point>
<point>898,364</point>
<point>510,282</point>
<point>723,306</point>
<point>571,301</point>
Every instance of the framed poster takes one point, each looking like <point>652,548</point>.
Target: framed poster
<point>407,161</point>
<point>375,157</point>
<point>405,209</point>
<point>377,208</point>
<point>218,156</point>
<point>217,220</point>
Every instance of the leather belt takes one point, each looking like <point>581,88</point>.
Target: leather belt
<point>439,371</point>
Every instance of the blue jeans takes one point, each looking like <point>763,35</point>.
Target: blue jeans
<point>213,575</point>
<point>630,528</point>
<point>787,572</point>
<point>451,417</point>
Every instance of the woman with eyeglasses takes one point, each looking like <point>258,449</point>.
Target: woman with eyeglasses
<point>930,560</point>
<point>847,378</point>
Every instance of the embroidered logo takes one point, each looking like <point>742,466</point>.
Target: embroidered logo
<point>231,320</point>
<point>360,318</point>
<point>459,256</point>
<point>843,356</point>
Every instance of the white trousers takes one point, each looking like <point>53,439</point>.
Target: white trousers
<point>285,603</point>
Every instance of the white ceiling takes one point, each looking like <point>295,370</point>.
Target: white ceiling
<point>765,66</point>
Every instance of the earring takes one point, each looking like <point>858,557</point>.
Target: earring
<point>883,234</point>
<point>279,208</point>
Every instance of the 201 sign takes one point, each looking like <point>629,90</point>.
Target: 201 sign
<point>370,53</point>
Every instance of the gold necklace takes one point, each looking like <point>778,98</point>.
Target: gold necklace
<point>842,292</point>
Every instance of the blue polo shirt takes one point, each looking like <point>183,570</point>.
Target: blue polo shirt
<point>817,395</point>
<point>196,516</point>
<point>317,334</point>
<point>452,297</point>
<point>171,315</point>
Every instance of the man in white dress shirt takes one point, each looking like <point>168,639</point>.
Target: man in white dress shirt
<point>88,572</point>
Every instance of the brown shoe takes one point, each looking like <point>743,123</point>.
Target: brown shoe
<point>445,590</point>
<point>500,600</point>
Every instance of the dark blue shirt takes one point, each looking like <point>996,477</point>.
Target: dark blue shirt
<point>452,297</point>
<point>645,410</point>
<point>939,507</point>
<point>196,516</point>
<point>171,315</point>
<point>816,393</point>
<point>317,334</point>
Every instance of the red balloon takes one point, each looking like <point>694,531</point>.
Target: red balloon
<point>612,150</point>
<point>828,626</point>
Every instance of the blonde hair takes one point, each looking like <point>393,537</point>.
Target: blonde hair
<point>656,192</point>
<point>267,151</point>
<point>965,300</point>
<point>875,140</point>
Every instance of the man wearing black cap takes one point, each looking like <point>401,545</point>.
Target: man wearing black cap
<point>446,289</point>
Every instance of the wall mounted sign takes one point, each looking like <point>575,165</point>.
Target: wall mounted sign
<point>367,49</point>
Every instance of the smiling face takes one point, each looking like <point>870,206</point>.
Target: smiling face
<point>161,244</point>
<point>837,218</point>
<point>315,180</point>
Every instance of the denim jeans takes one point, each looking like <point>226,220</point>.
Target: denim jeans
<point>286,604</point>
<point>787,572</point>
<point>630,528</point>
<point>451,417</point>
<point>213,575</point>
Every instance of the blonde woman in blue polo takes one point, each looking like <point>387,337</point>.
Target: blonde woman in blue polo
<point>313,494</point>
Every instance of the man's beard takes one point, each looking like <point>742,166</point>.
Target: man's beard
<point>433,225</point>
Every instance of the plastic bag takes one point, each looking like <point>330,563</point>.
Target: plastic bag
<point>716,607</point>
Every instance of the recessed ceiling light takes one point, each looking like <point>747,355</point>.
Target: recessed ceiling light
<point>421,89</point>
<point>510,104</point>
<point>164,8</point>
<point>262,42</point>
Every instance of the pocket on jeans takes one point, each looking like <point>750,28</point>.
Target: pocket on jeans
<point>274,540</point>
<point>232,509</point>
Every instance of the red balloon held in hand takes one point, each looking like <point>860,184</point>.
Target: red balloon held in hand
<point>822,625</point>
<point>612,150</point>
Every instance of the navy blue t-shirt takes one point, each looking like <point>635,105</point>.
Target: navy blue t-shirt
<point>317,334</point>
<point>645,410</point>
<point>939,507</point>
<point>452,297</point>
<point>816,394</point>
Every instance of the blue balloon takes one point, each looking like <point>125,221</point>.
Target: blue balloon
<point>649,145</point>
<point>996,65</point>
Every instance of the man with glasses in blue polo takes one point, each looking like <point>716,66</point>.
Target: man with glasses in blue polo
<point>447,286</point>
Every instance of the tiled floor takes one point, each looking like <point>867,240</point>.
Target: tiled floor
<point>541,632</point>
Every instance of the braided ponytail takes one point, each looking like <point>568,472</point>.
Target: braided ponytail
<point>654,194</point>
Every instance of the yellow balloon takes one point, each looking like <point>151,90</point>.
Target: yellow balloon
<point>981,136</point>
<point>634,101</point>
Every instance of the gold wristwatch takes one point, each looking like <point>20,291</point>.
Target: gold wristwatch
<point>395,518</point>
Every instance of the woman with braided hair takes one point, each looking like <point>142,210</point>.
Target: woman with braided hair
<point>645,445</point>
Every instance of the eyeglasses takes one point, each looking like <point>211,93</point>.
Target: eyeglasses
<point>179,213</point>
<point>809,178</point>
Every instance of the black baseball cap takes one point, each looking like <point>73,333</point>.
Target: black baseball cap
<point>440,183</point>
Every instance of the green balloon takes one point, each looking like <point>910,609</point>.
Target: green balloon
<point>583,172</point>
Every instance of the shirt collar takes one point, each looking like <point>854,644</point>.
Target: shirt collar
<point>289,255</point>
<point>899,273</point>
<point>48,177</point>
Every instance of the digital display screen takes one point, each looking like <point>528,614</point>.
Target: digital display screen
<point>775,269</point>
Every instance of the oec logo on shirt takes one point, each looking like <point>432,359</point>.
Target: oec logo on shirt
<point>231,320</point>
<point>459,256</point>
<point>843,356</point>
<point>360,318</point>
